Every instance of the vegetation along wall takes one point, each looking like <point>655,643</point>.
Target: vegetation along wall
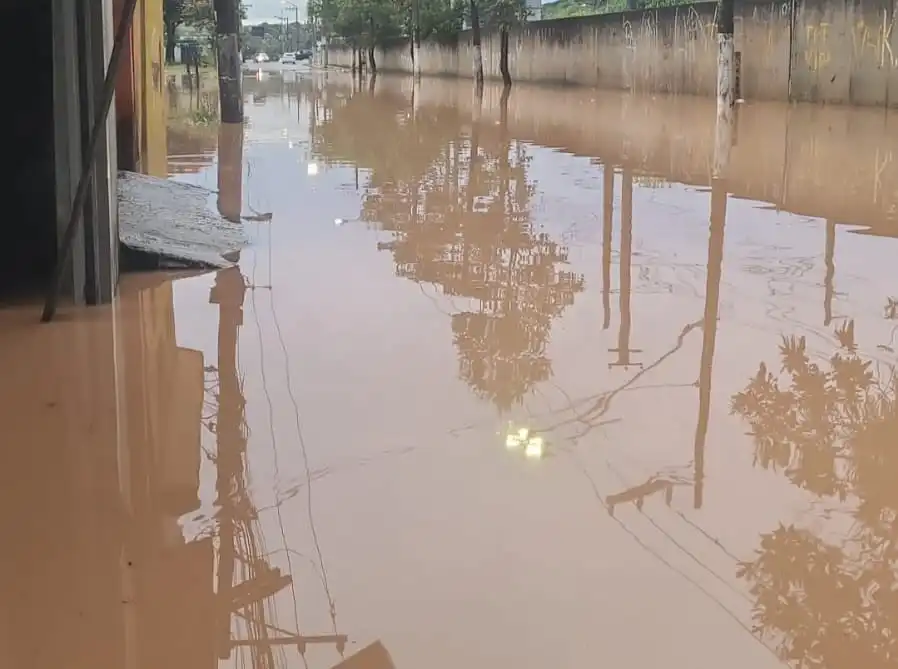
<point>833,51</point>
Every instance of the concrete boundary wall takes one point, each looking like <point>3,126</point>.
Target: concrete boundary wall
<point>828,51</point>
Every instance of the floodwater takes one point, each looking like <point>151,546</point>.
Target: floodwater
<point>499,384</point>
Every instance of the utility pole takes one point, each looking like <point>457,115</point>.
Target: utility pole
<point>227,28</point>
<point>230,171</point>
<point>726,57</point>
<point>294,43</point>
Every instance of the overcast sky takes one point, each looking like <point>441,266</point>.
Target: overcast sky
<point>269,9</point>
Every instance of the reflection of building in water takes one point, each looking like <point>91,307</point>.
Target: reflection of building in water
<point>163,407</point>
<point>107,411</point>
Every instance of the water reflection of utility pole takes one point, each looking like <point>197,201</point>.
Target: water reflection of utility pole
<point>623,349</point>
<point>723,144</point>
<point>228,293</point>
<point>829,258</point>
<point>230,170</point>
<point>240,552</point>
<point>607,234</point>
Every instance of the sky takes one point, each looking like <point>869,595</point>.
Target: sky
<point>269,9</point>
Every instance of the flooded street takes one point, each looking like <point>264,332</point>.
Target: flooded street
<point>488,388</point>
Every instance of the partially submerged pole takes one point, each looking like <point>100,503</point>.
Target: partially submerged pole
<point>227,14</point>
<point>726,57</point>
<point>230,171</point>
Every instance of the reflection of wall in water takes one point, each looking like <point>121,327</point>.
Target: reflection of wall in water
<point>783,155</point>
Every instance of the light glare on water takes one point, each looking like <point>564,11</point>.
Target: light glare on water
<point>555,398</point>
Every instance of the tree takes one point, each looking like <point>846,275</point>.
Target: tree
<point>504,15</point>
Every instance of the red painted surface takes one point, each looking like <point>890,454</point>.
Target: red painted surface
<point>126,137</point>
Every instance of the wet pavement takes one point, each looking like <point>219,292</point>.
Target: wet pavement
<point>499,384</point>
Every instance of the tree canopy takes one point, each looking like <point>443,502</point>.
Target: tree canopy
<point>370,22</point>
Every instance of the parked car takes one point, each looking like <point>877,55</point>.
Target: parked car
<point>304,54</point>
<point>288,58</point>
<point>262,58</point>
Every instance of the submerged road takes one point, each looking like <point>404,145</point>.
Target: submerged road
<point>499,383</point>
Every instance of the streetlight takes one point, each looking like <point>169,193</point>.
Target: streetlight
<point>295,7</point>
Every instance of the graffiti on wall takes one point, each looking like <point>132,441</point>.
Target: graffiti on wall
<point>816,51</point>
<point>874,41</point>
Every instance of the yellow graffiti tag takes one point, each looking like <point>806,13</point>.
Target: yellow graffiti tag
<point>876,40</point>
<point>816,53</point>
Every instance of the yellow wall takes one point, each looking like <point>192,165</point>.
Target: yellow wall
<point>149,87</point>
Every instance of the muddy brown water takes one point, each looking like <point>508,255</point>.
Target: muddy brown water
<point>492,388</point>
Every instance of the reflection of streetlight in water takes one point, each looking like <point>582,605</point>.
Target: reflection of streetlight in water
<point>534,446</point>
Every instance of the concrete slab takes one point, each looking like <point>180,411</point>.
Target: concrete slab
<point>175,221</point>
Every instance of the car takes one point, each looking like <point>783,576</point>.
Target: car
<point>304,54</point>
<point>261,57</point>
<point>288,58</point>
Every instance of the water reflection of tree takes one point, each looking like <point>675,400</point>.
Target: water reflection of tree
<point>831,429</point>
<point>457,207</point>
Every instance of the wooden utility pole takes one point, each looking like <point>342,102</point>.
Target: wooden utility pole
<point>230,170</point>
<point>726,58</point>
<point>227,28</point>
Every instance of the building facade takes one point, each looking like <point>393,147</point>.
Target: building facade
<point>68,45</point>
